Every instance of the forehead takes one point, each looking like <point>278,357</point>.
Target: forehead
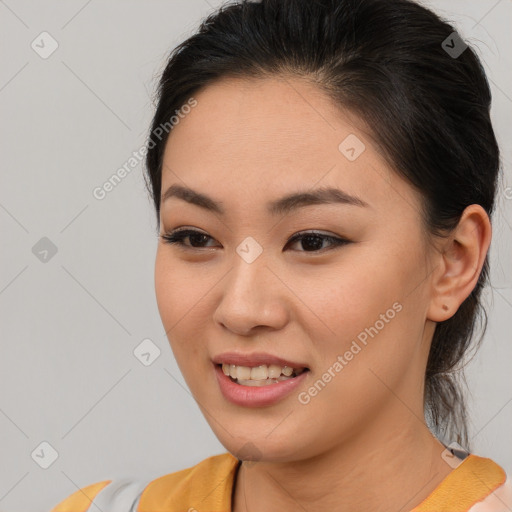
<point>268,136</point>
<point>282,117</point>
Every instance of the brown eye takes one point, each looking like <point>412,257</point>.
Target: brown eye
<point>312,241</point>
<point>197,238</point>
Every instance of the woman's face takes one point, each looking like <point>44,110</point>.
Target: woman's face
<point>355,314</point>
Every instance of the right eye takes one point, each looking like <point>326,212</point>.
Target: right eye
<point>177,237</point>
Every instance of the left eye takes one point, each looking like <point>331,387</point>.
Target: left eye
<point>312,241</point>
<point>315,241</point>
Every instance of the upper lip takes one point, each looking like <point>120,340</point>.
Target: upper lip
<point>255,359</point>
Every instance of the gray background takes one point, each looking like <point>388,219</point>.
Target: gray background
<point>70,324</point>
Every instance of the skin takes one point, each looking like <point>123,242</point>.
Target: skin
<point>244,144</point>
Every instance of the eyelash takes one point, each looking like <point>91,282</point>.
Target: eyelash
<point>177,237</point>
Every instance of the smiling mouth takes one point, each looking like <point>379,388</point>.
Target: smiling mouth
<point>262,375</point>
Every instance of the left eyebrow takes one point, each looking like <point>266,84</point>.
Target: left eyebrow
<point>286,204</point>
<point>325,195</point>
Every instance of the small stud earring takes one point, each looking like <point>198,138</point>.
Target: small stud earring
<point>445,307</point>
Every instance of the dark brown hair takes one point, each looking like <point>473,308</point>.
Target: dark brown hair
<point>387,61</point>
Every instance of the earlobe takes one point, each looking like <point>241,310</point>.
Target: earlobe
<point>460,262</point>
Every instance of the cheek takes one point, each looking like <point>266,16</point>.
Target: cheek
<point>364,309</point>
<point>166,286</point>
<point>375,325</point>
<point>342,302</point>
<point>182,301</point>
<point>178,290</point>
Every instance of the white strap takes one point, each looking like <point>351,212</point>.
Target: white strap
<point>121,495</point>
<point>499,500</point>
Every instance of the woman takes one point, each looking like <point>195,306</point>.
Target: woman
<point>323,174</point>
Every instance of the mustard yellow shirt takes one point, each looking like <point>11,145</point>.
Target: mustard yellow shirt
<point>477,484</point>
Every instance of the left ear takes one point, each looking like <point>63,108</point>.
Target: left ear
<point>459,263</point>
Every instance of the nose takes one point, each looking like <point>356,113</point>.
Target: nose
<point>253,298</point>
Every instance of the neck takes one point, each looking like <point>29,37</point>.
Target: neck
<point>391,467</point>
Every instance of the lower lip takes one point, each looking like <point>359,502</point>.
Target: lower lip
<point>256,396</point>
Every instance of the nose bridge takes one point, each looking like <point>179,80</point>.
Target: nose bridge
<point>249,298</point>
<point>249,272</point>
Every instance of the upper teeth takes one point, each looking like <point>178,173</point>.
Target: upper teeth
<point>261,372</point>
